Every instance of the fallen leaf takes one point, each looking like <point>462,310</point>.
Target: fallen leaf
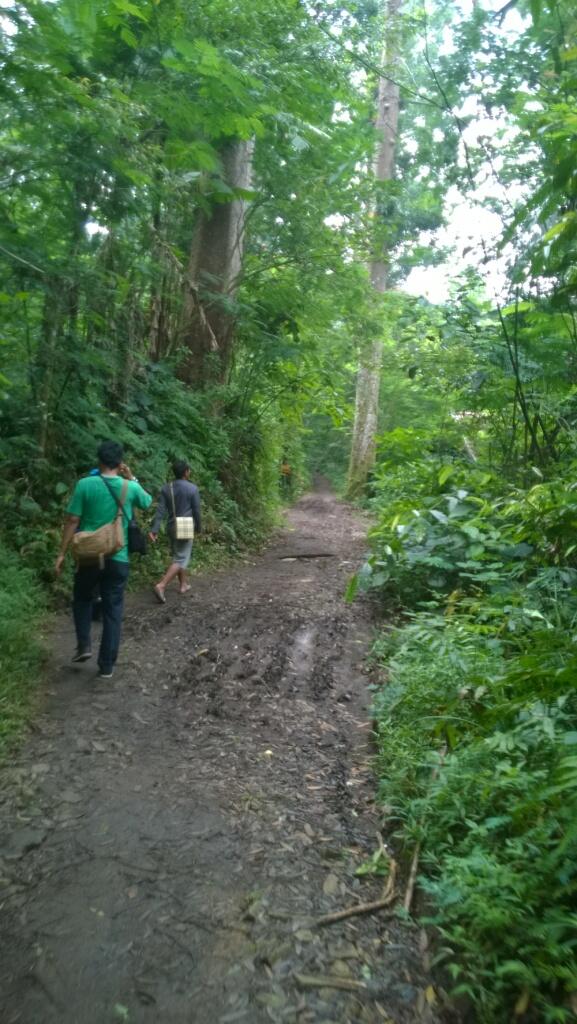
<point>276,1000</point>
<point>342,969</point>
<point>331,885</point>
<point>522,1004</point>
<point>344,951</point>
<point>70,796</point>
<point>430,995</point>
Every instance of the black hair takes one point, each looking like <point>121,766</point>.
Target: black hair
<point>110,454</point>
<point>179,467</point>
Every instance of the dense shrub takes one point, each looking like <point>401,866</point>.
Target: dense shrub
<point>22,607</point>
<point>477,728</point>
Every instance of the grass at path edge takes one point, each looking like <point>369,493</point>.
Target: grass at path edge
<point>23,610</point>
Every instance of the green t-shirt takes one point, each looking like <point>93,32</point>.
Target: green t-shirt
<point>93,502</point>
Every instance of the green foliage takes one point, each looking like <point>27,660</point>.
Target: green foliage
<point>22,608</point>
<point>474,538</point>
<point>455,541</point>
<point>477,723</point>
<point>476,731</point>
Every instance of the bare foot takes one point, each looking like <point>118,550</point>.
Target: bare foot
<point>159,591</point>
<point>185,588</point>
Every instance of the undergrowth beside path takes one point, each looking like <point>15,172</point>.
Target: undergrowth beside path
<point>23,608</point>
<point>477,728</point>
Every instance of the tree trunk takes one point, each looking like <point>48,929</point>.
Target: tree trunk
<point>365,427</point>
<point>46,358</point>
<point>213,276</point>
<point>159,337</point>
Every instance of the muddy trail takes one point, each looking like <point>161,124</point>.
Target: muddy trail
<point>170,838</point>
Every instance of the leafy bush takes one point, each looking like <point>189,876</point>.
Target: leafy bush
<point>477,734</point>
<point>22,606</point>
<point>458,543</point>
<point>476,762</point>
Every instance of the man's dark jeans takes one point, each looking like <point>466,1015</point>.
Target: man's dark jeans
<point>111,582</point>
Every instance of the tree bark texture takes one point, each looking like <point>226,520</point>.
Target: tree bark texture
<point>213,275</point>
<point>365,427</point>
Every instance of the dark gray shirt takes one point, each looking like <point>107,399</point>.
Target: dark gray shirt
<point>186,503</point>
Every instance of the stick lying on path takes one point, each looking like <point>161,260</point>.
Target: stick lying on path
<point>389,896</point>
<point>412,878</point>
<point>328,981</point>
<point>392,876</point>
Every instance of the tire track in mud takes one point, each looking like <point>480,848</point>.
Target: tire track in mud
<point>170,838</point>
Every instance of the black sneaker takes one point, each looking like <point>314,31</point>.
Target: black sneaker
<point>104,675</point>
<point>82,654</point>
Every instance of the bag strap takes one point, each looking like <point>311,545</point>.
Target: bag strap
<point>122,500</point>
<point>173,503</point>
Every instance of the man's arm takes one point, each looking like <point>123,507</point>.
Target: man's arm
<point>70,528</point>
<point>195,502</point>
<point>140,498</point>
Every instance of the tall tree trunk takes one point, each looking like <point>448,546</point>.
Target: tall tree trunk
<point>213,275</point>
<point>46,358</point>
<point>159,339</point>
<point>362,456</point>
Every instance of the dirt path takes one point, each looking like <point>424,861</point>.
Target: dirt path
<point>169,838</point>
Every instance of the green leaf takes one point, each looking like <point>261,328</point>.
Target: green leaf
<point>518,307</point>
<point>352,588</point>
<point>129,8</point>
<point>569,220</point>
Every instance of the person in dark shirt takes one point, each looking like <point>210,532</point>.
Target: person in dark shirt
<point>176,499</point>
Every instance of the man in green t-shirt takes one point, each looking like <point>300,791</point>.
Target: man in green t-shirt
<point>91,506</point>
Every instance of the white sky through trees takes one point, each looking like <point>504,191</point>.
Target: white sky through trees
<point>472,230</point>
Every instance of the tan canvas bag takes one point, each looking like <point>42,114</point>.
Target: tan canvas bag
<point>91,547</point>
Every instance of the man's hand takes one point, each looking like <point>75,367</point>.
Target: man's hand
<point>70,527</point>
<point>153,537</point>
<point>124,470</point>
